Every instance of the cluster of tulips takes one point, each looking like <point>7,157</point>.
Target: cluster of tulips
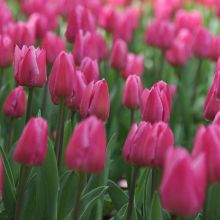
<point>108,143</point>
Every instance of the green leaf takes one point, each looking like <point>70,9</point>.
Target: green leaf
<point>156,211</point>
<point>118,196</point>
<point>9,190</point>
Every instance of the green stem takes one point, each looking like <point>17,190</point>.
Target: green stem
<point>155,181</point>
<point>9,139</point>
<point>1,77</point>
<point>29,104</point>
<point>161,66</point>
<point>173,217</point>
<point>76,208</point>
<point>24,173</point>
<point>134,175</point>
<point>59,131</point>
<point>73,113</point>
<point>131,117</point>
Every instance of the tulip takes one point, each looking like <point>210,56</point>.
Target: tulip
<point>15,103</point>
<point>52,51</point>
<point>147,145</point>
<point>134,65</point>
<point>79,19</point>
<point>156,103</point>
<point>212,102</point>
<point>119,55</point>
<point>86,149</point>
<point>90,69</point>
<point>1,177</point>
<point>30,66</point>
<point>215,52</point>
<point>154,34</point>
<point>61,76</point>
<point>132,92</point>
<point>96,100</point>
<point>181,49</point>
<point>216,121</point>
<point>207,141</point>
<point>7,50</point>
<point>31,148</point>
<point>202,45</point>
<point>181,171</point>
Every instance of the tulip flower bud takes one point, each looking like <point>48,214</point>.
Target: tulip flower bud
<point>119,55</point>
<point>212,102</point>
<point>215,52</point>
<point>202,45</point>
<point>49,42</point>
<point>181,49</point>
<point>134,65</point>
<point>79,19</point>
<point>147,144</point>
<point>1,177</point>
<point>61,76</point>
<point>156,103</point>
<point>7,51</point>
<point>79,86</point>
<point>132,92</point>
<point>30,66</point>
<point>187,20</point>
<point>207,141</point>
<point>217,119</point>
<point>90,69</point>
<point>96,100</point>
<point>181,171</point>
<point>154,34</point>
<point>31,148</point>
<point>86,149</point>
<point>6,15</point>
<point>15,103</point>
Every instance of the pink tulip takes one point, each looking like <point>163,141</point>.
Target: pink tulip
<point>119,53</point>
<point>31,148</point>
<point>132,91</point>
<point>215,52</point>
<point>30,66</point>
<point>49,42</point>
<point>183,184</point>
<point>61,79</point>
<point>156,103</point>
<point>134,65</point>
<point>96,100</point>
<point>147,144</point>
<point>86,149</point>
<point>15,103</point>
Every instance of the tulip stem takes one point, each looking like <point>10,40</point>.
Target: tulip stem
<point>161,66</point>
<point>59,132</point>
<point>173,217</point>
<point>134,175</point>
<point>29,104</point>
<point>10,134</point>
<point>73,113</point>
<point>24,173</point>
<point>131,117</point>
<point>79,189</point>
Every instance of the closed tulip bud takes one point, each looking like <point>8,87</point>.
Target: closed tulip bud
<point>187,20</point>
<point>154,34</point>
<point>202,45</point>
<point>86,149</point>
<point>134,65</point>
<point>215,52</point>
<point>30,66</point>
<point>212,102</point>
<point>157,103</point>
<point>15,103</point>
<point>90,69</point>
<point>119,55</point>
<point>61,76</point>
<point>181,49</point>
<point>132,91</point>
<point>79,86</point>
<point>217,119</point>
<point>53,45</point>
<point>181,171</point>
<point>7,50</point>
<point>1,177</point>
<point>147,144</point>
<point>96,100</point>
<point>79,19</point>
<point>31,148</point>
<point>6,15</point>
<point>207,141</point>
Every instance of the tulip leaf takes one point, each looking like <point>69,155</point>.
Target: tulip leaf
<point>118,196</point>
<point>156,210</point>
<point>121,214</point>
<point>9,196</point>
<point>48,185</point>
